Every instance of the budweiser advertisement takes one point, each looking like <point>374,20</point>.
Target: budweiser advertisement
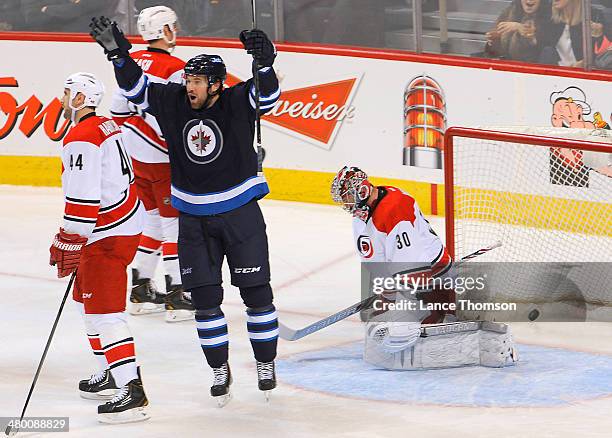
<point>386,116</point>
<point>313,112</point>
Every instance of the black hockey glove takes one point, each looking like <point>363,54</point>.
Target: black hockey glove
<point>257,43</point>
<point>110,37</point>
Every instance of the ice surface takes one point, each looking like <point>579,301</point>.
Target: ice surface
<point>315,273</point>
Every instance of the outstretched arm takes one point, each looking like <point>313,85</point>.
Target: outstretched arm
<point>130,78</point>
<point>257,44</point>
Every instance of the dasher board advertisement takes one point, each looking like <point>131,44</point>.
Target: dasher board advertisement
<point>386,116</point>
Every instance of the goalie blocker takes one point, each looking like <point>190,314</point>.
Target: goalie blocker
<point>449,345</point>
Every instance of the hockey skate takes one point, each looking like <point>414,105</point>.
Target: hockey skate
<point>178,305</point>
<point>220,388</point>
<point>101,386</point>
<point>144,297</point>
<point>127,406</point>
<point>266,377</point>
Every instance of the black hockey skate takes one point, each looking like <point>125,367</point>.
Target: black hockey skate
<point>127,406</point>
<point>266,377</point>
<point>100,386</point>
<point>144,297</point>
<point>220,388</point>
<point>178,306</point>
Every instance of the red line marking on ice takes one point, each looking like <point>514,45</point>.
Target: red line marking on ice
<point>313,271</point>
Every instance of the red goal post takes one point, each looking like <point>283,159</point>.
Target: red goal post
<point>451,160</point>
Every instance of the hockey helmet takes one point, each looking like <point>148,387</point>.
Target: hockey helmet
<point>351,189</point>
<point>151,23</point>
<point>211,66</point>
<point>86,84</point>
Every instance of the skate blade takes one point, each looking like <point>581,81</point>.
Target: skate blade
<point>106,394</point>
<point>146,308</point>
<point>179,315</point>
<point>130,416</point>
<point>222,400</point>
<point>267,395</point>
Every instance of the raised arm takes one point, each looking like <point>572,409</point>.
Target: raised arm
<point>132,81</point>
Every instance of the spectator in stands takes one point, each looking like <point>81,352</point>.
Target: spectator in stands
<point>562,39</point>
<point>64,15</point>
<point>10,15</point>
<point>602,40</point>
<point>517,29</point>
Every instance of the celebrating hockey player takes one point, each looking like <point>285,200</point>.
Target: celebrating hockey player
<point>395,240</point>
<point>209,130</point>
<point>103,219</point>
<point>145,143</point>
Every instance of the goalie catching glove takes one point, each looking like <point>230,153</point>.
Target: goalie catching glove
<point>66,252</point>
<point>257,43</point>
<point>110,37</point>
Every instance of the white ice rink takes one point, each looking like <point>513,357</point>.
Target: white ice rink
<point>562,388</point>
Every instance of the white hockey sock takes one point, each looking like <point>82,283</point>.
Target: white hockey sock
<point>94,338</point>
<point>150,245</point>
<point>118,346</point>
<point>169,227</point>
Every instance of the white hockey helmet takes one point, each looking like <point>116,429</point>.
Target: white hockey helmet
<point>88,85</point>
<point>151,23</point>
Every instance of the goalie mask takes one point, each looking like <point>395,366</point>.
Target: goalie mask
<point>351,189</point>
<point>153,20</point>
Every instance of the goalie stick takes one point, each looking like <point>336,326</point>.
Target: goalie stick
<point>289,334</point>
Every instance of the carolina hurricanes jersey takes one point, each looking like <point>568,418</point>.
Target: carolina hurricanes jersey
<point>398,232</point>
<point>141,132</point>
<point>97,179</point>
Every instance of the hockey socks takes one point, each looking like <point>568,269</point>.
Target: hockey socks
<point>212,331</point>
<point>262,325</point>
<point>118,346</point>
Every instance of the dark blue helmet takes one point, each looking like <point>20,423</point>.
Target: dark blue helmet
<point>211,66</point>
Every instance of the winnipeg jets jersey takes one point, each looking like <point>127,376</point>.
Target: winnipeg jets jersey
<point>398,234</point>
<point>97,178</point>
<point>141,132</point>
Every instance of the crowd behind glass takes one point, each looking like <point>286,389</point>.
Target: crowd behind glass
<point>549,32</point>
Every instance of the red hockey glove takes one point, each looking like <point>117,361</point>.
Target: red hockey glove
<point>66,252</point>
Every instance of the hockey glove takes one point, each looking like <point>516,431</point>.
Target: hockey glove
<point>257,43</point>
<point>110,37</point>
<point>66,252</point>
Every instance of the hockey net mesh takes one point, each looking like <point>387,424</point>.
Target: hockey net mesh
<point>543,202</point>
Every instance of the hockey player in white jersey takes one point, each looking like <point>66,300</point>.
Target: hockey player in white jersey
<point>142,136</point>
<point>395,241</point>
<point>103,219</point>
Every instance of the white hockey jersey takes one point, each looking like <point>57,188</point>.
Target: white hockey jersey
<point>398,234</point>
<point>97,179</point>
<point>141,132</point>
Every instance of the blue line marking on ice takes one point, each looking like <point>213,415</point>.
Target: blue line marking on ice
<point>543,377</point>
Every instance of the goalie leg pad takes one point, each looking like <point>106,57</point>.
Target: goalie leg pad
<point>463,348</point>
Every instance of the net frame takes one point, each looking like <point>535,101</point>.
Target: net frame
<point>501,136</point>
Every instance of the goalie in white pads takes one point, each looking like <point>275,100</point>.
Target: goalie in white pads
<point>394,239</point>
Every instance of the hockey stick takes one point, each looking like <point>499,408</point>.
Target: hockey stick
<point>257,95</point>
<point>289,334</point>
<point>12,430</point>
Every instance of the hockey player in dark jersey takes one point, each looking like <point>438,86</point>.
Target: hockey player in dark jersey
<point>209,130</point>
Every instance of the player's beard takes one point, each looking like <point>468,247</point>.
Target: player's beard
<point>67,113</point>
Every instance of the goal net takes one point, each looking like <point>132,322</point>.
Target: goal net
<point>546,194</point>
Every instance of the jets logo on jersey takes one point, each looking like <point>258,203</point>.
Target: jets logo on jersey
<point>203,141</point>
<point>364,246</point>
